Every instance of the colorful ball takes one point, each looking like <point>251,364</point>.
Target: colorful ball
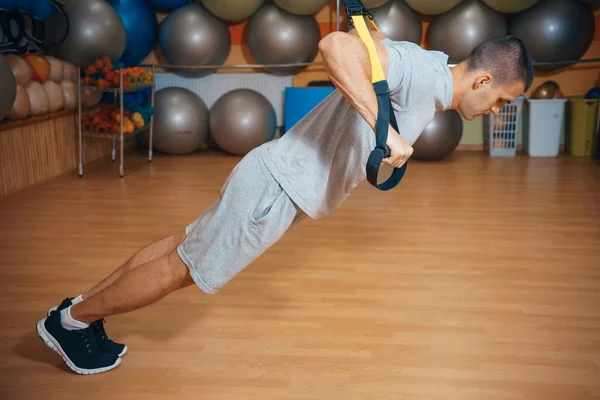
<point>38,98</point>
<point>56,96</point>
<point>593,93</point>
<point>57,69</point>
<point>168,5</point>
<point>40,67</point>
<point>21,107</point>
<point>21,69</point>
<point>141,27</point>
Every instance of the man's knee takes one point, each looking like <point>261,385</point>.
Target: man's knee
<point>179,273</point>
<point>177,238</point>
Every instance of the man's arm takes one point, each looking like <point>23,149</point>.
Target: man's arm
<point>347,63</point>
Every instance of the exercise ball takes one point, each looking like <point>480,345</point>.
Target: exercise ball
<point>555,30</point>
<point>57,69</point>
<point>56,96</point>
<point>191,35</point>
<point>38,98</point>
<point>95,30</point>
<point>90,96</point>
<point>232,10</point>
<point>440,137</point>
<point>554,84</point>
<point>458,31</point>
<point>397,21</point>
<point>544,91</point>
<point>21,69</point>
<point>372,4</point>
<point>21,107</point>
<point>432,7</point>
<point>141,29</point>
<point>308,7</point>
<point>37,9</point>
<point>168,5</point>
<point>242,120</point>
<point>70,92</point>
<point>8,87</point>
<point>278,37</point>
<point>70,72</point>
<point>593,93</point>
<point>180,121</point>
<point>510,6</point>
<point>40,67</point>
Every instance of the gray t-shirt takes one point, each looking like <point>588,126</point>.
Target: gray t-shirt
<point>323,157</point>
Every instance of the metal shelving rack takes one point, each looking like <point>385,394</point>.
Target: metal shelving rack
<point>121,136</point>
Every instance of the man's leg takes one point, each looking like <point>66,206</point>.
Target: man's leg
<point>70,332</point>
<point>146,254</point>
<point>252,214</point>
<point>135,288</point>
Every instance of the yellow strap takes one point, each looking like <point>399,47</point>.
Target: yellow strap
<point>365,35</point>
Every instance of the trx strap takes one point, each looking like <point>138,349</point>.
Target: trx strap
<point>385,115</point>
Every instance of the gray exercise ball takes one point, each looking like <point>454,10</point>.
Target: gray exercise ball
<point>191,35</point>
<point>555,30</point>
<point>95,30</point>
<point>397,21</point>
<point>372,4</point>
<point>510,6</point>
<point>242,120</point>
<point>440,138</point>
<point>232,10</point>
<point>180,121</point>
<point>432,7</point>
<point>276,36</point>
<point>8,87</point>
<point>306,7</point>
<point>458,31</point>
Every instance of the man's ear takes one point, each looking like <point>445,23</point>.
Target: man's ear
<point>482,80</point>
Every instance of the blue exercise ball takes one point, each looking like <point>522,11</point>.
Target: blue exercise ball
<point>593,93</point>
<point>9,5</point>
<point>141,27</point>
<point>168,5</point>
<point>37,9</point>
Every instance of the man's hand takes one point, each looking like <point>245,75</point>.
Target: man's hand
<point>400,151</point>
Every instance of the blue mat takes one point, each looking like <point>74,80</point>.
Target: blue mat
<point>300,101</point>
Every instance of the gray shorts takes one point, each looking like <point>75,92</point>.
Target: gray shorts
<point>252,213</point>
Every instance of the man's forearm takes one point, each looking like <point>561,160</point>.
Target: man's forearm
<point>348,65</point>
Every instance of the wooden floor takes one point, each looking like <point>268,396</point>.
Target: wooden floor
<point>475,279</point>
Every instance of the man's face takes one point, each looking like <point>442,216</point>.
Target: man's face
<point>485,97</point>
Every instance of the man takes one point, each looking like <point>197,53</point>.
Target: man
<point>307,172</point>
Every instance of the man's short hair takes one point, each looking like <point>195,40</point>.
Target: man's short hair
<point>506,58</point>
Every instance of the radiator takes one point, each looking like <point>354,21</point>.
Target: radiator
<point>213,86</point>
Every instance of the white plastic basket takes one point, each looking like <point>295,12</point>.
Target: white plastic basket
<point>500,131</point>
<point>542,127</point>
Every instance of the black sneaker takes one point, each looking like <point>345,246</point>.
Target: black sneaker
<point>100,334</point>
<point>78,347</point>
<point>105,343</point>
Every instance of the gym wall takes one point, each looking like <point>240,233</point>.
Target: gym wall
<point>575,80</point>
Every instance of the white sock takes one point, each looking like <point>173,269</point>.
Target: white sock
<point>77,300</point>
<point>68,322</point>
